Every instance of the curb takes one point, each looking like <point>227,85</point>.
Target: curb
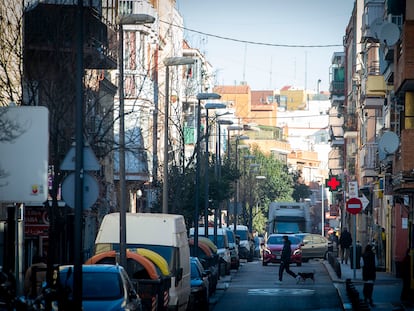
<point>339,286</point>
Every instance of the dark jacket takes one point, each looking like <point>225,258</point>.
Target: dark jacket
<point>345,240</point>
<point>286,252</point>
<point>369,270</point>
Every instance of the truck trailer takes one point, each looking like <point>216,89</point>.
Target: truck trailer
<point>289,217</point>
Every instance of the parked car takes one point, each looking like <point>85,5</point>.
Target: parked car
<point>222,244</point>
<point>199,297</point>
<point>273,249</point>
<point>258,246</point>
<point>104,287</point>
<point>208,259</point>
<point>234,249</point>
<point>313,246</point>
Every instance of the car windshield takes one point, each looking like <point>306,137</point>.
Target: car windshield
<point>96,285</point>
<point>220,240</point>
<point>230,237</point>
<point>242,234</point>
<point>195,273</point>
<point>279,239</point>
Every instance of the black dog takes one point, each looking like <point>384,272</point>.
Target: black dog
<point>306,275</point>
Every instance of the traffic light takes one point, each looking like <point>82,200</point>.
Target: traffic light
<point>333,183</point>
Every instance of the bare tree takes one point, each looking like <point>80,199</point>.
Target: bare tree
<point>11,57</point>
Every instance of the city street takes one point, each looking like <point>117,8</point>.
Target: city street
<point>255,285</point>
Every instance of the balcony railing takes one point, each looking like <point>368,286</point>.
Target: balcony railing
<point>368,159</point>
<point>337,88</point>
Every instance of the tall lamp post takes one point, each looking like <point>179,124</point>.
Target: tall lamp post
<point>130,19</point>
<point>246,176</point>
<point>322,210</point>
<point>238,138</point>
<point>258,178</point>
<point>200,97</point>
<point>207,107</point>
<point>220,122</point>
<point>170,61</point>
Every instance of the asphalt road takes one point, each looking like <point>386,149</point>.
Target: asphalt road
<point>253,287</point>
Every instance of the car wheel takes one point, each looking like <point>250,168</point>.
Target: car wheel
<point>227,272</point>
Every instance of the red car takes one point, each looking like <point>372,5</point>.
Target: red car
<point>273,249</point>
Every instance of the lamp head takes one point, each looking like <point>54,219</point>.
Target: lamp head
<point>205,96</point>
<point>135,19</point>
<point>178,60</point>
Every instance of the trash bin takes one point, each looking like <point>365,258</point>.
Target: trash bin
<point>358,256</point>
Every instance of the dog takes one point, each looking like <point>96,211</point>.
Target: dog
<point>306,275</point>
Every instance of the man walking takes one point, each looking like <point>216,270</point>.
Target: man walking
<point>285,260</point>
<point>345,242</point>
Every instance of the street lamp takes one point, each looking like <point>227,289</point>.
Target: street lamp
<point>130,19</point>
<point>238,138</point>
<point>217,211</point>
<point>200,97</point>
<point>208,106</point>
<point>246,176</point>
<point>323,209</point>
<point>231,128</point>
<point>170,61</point>
<point>258,178</point>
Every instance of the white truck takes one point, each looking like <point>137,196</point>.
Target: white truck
<point>289,217</point>
<point>165,234</point>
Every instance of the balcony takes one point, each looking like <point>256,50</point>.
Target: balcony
<point>404,61</point>
<point>368,160</point>
<point>335,159</point>
<point>350,122</point>
<point>405,161</point>
<point>375,86</point>
<point>373,11</point>
<point>337,88</point>
<point>50,33</point>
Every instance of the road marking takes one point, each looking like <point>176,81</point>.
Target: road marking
<point>279,291</point>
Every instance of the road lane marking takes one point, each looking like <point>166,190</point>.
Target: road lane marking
<point>280,292</point>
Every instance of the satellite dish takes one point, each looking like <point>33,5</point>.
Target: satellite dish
<point>389,33</point>
<point>375,27</point>
<point>389,143</point>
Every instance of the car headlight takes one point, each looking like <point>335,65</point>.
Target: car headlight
<point>297,252</point>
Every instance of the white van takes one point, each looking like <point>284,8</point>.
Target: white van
<point>164,234</point>
<point>246,244</point>
<point>222,246</point>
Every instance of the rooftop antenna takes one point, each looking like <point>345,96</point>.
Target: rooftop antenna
<point>244,62</point>
<point>270,73</point>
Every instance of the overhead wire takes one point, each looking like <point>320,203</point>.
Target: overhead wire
<point>253,42</point>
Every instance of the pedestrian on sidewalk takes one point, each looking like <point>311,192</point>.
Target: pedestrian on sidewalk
<point>285,260</point>
<point>406,293</point>
<point>345,242</point>
<point>34,276</point>
<point>368,274</point>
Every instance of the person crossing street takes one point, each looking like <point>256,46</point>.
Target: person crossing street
<point>285,260</point>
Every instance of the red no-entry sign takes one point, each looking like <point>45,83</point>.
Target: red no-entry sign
<point>353,206</point>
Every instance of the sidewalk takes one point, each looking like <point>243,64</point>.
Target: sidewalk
<point>387,288</point>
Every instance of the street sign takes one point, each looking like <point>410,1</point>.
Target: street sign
<point>353,206</point>
<point>364,201</point>
<point>24,154</point>
<point>333,183</point>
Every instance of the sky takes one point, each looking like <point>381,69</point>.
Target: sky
<point>268,43</point>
